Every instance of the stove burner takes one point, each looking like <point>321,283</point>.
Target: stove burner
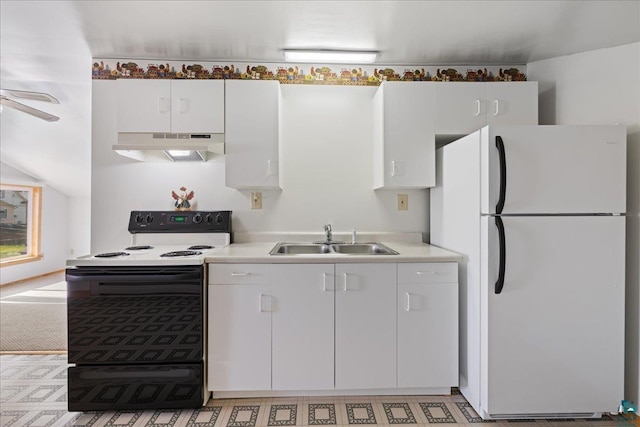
<point>181,253</point>
<point>200,247</point>
<point>111,254</point>
<point>138,248</point>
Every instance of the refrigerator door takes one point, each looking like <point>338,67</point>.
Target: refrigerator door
<point>552,342</point>
<point>554,169</point>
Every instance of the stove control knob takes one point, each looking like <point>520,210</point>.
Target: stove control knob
<point>197,218</point>
<point>219,219</point>
<point>149,219</point>
<point>139,219</point>
<point>209,219</point>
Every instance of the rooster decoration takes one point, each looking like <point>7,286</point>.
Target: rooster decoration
<point>182,200</point>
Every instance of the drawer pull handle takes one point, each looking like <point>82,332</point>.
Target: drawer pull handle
<point>477,107</point>
<point>421,273</point>
<point>408,307</point>
<point>240,274</point>
<point>345,282</point>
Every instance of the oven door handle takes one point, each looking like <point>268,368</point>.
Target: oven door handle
<point>152,289</point>
<point>129,278</point>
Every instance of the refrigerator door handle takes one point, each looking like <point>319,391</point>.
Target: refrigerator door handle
<point>503,174</point>
<point>500,281</point>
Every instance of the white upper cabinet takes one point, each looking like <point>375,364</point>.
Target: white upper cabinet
<point>513,103</point>
<point>404,139</point>
<point>463,108</point>
<point>181,106</point>
<point>144,105</point>
<point>252,134</point>
<point>197,106</point>
<point>460,108</point>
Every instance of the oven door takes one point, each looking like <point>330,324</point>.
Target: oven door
<point>135,315</point>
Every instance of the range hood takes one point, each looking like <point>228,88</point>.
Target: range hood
<point>169,146</point>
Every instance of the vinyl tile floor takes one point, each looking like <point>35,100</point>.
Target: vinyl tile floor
<point>33,393</point>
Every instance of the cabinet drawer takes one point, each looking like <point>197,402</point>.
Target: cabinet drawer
<point>239,274</point>
<point>428,272</point>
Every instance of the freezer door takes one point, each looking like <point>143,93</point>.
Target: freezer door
<point>552,341</point>
<point>554,169</point>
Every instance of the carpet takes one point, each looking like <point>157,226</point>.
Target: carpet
<point>35,321</point>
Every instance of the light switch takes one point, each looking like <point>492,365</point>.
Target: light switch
<point>256,200</point>
<point>403,202</point>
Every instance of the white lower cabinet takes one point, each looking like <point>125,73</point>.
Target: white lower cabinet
<point>302,326</point>
<point>365,333</point>
<point>360,326</point>
<point>427,325</point>
<point>239,334</point>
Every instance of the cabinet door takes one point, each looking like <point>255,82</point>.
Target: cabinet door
<point>197,106</point>
<point>365,326</point>
<point>460,108</point>
<point>514,103</point>
<point>252,133</point>
<point>408,134</point>
<point>427,335</point>
<point>144,105</point>
<point>302,326</point>
<point>239,347</point>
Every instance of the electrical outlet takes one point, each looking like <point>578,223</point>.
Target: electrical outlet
<point>403,202</point>
<point>256,200</point>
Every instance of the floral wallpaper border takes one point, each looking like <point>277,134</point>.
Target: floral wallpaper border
<point>107,69</point>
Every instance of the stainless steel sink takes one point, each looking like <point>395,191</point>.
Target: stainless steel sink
<point>300,249</point>
<point>364,249</point>
<point>333,249</point>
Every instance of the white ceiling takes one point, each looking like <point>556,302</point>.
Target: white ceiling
<point>48,45</point>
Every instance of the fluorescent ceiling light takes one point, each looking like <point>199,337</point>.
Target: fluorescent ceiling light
<point>330,56</point>
<point>184,155</point>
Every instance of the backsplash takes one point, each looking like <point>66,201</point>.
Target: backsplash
<point>109,69</point>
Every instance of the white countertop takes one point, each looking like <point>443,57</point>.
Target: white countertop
<point>258,252</point>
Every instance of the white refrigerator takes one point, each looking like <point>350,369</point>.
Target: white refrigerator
<point>538,213</point>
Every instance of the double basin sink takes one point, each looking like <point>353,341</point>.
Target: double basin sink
<point>331,249</point>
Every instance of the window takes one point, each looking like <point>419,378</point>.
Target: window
<point>20,208</point>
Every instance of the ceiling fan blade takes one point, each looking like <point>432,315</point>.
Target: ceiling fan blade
<point>26,94</point>
<point>29,110</point>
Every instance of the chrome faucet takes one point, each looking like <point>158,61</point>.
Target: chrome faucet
<point>327,232</point>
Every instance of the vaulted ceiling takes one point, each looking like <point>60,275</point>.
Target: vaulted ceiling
<point>48,46</point>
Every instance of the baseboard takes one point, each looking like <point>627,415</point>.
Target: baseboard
<point>40,276</point>
<point>34,352</point>
<point>437,391</point>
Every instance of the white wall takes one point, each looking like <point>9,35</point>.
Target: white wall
<point>327,162</point>
<point>603,87</point>
<point>79,226</point>
<point>54,231</point>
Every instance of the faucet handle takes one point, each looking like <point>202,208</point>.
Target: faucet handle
<point>327,228</point>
